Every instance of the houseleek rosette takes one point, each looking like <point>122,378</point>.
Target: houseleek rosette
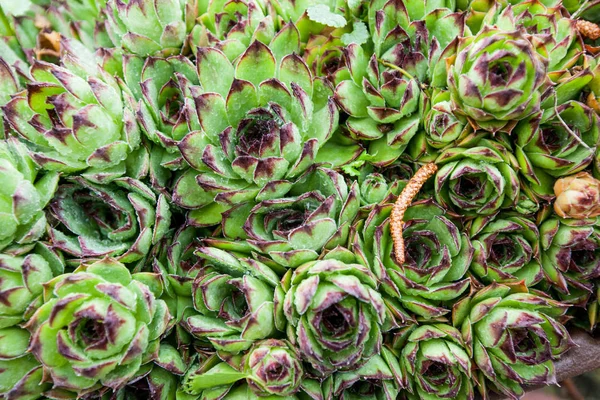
<point>571,256</point>
<point>264,122</point>
<point>512,336</point>
<point>442,126</point>
<point>149,27</point>
<point>496,78</point>
<point>98,325</point>
<point>24,192</point>
<point>506,249</point>
<point>21,375</point>
<point>382,94</point>
<point>316,214</point>
<point>437,256</point>
<point>333,312</point>
<point>76,117</point>
<point>271,367</point>
<point>23,272</point>
<point>122,219</point>
<point>233,300</point>
<point>562,143</point>
<point>552,36</point>
<point>164,89</point>
<point>477,181</point>
<point>379,378</point>
<point>435,363</point>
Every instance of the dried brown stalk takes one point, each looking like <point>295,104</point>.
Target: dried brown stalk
<point>588,29</point>
<point>402,203</point>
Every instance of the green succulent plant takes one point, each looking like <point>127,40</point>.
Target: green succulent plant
<point>98,325</point>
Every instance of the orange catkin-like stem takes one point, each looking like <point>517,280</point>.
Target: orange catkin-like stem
<point>402,203</point>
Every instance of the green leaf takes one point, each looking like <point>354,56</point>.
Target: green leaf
<point>320,13</point>
<point>359,35</point>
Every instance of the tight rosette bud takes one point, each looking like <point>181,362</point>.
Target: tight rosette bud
<point>496,78</point>
<point>265,121</point>
<point>506,249</point>
<point>435,364</point>
<point>75,117</point>
<point>148,27</point>
<point>512,336</point>
<point>233,299</point>
<point>334,314</point>
<point>437,256</point>
<point>477,181</point>
<point>577,196</point>
<point>120,220</point>
<point>23,195</point>
<point>442,126</point>
<point>316,214</point>
<point>23,272</point>
<point>571,256</point>
<point>379,378</point>
<point>562,143</point>
<point>21,375</point>
<point>274,368</point>
<point>98,325</point>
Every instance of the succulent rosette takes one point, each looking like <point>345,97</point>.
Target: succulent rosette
<point>379,378</point>
<point>271,367</point>
<point>23,272</point>
<point>437,255</point>
<point>479,180</point>
<point>496,78</point>
<point>150,27</point>
<point>24,192</point>
<point>571,256</point>
<point>21,375</point>
<point>98,325</point>
<point>552,36</point>
<point>513,336</point>
<point>577,196</point>
<point>333,313</point>
<point>442,126</point>
<point>264,121</point>
<point>122,219</point>
<point>274,367</point>
<point>506,250</point>
<point>382,94</point>
<point>435,363</point>
<point>166,111</point>
<point>316,214</point>
<point>76,117</point>
<point>233,299</point>
<point>562,143</point>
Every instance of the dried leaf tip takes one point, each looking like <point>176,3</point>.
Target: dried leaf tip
<point>403,202</point>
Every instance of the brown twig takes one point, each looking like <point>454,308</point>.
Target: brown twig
<point>588,29</point>
<point>402,203</point>
<point>572,390</point>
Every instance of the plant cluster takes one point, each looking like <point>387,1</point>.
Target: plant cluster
<point>198,197</point>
